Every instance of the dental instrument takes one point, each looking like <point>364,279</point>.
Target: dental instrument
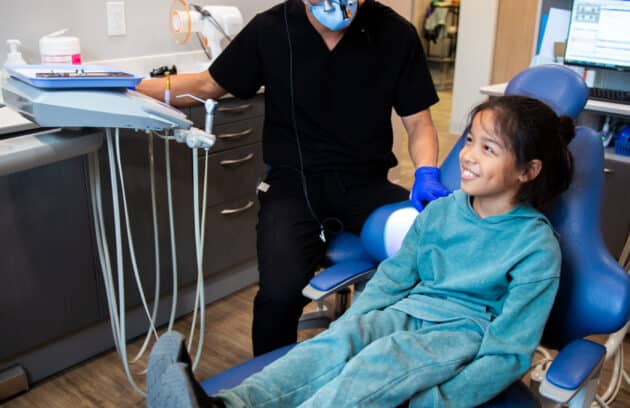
<point>65,99</point>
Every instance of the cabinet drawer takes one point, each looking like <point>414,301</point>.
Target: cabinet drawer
<point>238,133</point>
<point>230,234</point>
<point>615,216</point>
<point>229,110</point>
<point>232,109</point>
<point>230,240</point>
<point>232,173</point>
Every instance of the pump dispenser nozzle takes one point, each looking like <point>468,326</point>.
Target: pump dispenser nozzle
<point>14,56</point>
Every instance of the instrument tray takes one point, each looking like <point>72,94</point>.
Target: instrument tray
<point>73,76</point>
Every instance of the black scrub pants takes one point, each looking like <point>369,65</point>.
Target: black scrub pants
<point>288,239</point>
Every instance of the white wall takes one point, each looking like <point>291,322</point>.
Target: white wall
<point>146,20</point>
<point>473,63</point>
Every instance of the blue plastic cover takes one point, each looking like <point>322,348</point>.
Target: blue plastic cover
<point>346,247</point>
<point>556,85</point>
<point>373,228</point>
<point>29,74</point>
<point>339,273</point>
<point>574,363</point>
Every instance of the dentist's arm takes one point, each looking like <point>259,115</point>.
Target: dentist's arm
<point>200,84</point>
<point>423,140</point>
<point>423,150</point>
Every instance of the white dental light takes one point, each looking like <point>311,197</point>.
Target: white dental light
<point>217,25</point>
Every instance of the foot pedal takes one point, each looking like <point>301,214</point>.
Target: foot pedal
<point>12,382</point>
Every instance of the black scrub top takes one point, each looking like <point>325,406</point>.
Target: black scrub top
<point>343,98</point>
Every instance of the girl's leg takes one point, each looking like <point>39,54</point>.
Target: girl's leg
<point>392,369</point>
<point>300,373</point>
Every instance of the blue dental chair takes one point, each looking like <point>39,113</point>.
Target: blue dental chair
<point>594,294</point>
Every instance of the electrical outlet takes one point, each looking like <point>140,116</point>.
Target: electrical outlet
<point>116,18</point>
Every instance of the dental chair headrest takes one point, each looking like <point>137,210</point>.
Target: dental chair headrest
<point>558,86</point>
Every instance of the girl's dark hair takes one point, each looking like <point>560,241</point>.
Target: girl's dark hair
<point>534,131</point>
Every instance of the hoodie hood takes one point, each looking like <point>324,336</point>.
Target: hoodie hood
<point>519,212</point>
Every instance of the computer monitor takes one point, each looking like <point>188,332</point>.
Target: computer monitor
<point>599,34</point>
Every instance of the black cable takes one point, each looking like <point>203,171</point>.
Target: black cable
<point>297,137</point>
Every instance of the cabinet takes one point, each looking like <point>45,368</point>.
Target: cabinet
<point>47,270</point>
<point>615,213</point>
<point>615,217</point>
<point>51,289</point>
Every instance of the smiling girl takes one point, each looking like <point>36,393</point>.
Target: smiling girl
<point>454,317</point>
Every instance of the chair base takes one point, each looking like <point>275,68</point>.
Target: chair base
<point>327,311</point>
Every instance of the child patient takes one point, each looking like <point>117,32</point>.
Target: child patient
<point>454,317</point>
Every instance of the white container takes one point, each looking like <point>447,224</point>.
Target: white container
<point>57,49</point>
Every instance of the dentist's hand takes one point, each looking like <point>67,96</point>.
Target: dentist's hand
<point>427,187</point>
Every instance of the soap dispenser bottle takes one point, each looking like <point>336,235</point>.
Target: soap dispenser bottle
<point>14,56</point>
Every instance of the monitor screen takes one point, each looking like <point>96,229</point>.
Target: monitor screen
<point>599,34</point>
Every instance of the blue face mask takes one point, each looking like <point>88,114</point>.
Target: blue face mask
<point>335,15</point>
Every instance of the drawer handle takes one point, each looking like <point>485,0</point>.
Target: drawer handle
<point>236,135</point>
<point>231,211</point>
<point>235,109</point>
<point>236,161</point>
<point>608,171</point>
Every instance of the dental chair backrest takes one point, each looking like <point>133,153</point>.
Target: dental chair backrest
<point>594,294</point>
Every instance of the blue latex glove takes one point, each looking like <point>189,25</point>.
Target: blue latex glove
<point>427,187</point>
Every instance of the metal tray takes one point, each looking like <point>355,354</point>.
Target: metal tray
<point>73,76</point>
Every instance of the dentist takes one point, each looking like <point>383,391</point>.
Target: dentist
<point>332,71</point>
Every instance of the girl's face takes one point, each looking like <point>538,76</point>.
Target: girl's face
<point>488,168</point>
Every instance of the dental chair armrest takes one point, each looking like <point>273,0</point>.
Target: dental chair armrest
<point>336,277</point>
<point>571,370</point>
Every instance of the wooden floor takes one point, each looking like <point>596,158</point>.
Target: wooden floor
<point>101,382</point>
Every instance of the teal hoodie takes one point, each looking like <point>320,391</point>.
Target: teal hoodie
<point>501,271</point>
